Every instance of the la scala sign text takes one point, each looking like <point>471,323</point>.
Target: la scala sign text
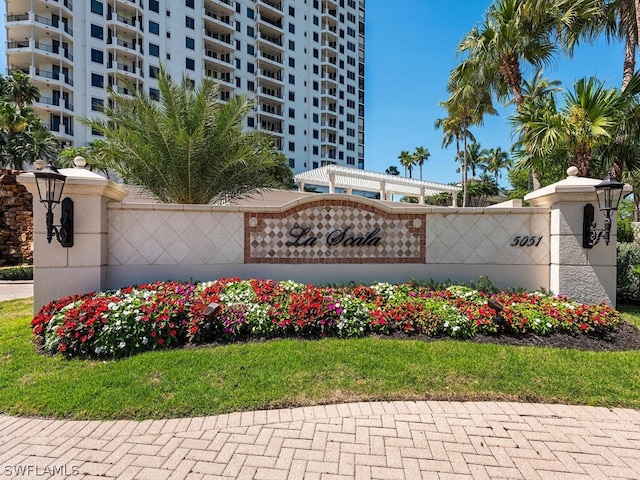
<point>303,237</point>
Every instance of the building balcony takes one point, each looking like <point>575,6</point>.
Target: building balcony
<point>46,23</point>
<point>224,6</point>
<point>224,79</point>
<point>268,77</point>
<point>272,128</point>
<point>218,21</point>
<point>127,69</point>
<point>269,58</point>
<point>265,110</point>
<point>223,60</point>
<point>127,47</point>
<point>270,27</point>
<point>270,40</point>
<point>59,103</point>
<point>270,5</point>
<point>270,93</point>
<point>221,40</point>
<point>51,77</point>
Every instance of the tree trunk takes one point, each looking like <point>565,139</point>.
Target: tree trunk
<point>464,169</point>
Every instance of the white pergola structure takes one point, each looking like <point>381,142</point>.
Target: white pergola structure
<point>335,176</point>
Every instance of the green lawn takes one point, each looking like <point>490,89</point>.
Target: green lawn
<point>207,381</point>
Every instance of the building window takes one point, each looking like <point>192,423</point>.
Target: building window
<point>250,31</point>
<point>315,118</point>
<point>251,122</point>
<point>292,28</point>
<point>315,101</point>
<point>189,22</point>
<point>154,6</point>
<point>190,43</point>
<point>154,27</point>
<point>250,12</point>
<point>97,56</point>
<point>292,45</point>
<point>97,80</point>
<point>316,21</point>
<point>154,50</point>
<point>292,163</point>
<point>292,130</point>
<point>97,7</point>
<point>251,68</point>
<point>292,79</point>
<point>316,38</point>
<point>251,50</point>
<point>292,62</point>
<point>97,31</point>
<point>292,147</point>
<point>315,133</point>
<point>292,96</point>
<point>251,86</point>
<point>153,71</point>
<point>292,113</point>
<point>97,104</point>
<point>189,3</point>
<point>154,94</point>
<point>315,152</point>
<point>190,64</point>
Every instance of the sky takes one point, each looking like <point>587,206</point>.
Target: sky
<point>410,48</point>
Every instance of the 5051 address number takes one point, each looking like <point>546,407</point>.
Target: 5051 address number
<point>526,241</point>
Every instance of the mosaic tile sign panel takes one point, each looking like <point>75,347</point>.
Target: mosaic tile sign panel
<point>334,231</point>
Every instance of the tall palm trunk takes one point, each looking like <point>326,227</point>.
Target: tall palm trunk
<point>628,69</point>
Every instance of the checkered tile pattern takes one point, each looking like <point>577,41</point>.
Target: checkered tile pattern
<point>402,236</point>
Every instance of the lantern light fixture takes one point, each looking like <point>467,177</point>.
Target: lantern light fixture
<point>609,193</point>
<point>50,183</point>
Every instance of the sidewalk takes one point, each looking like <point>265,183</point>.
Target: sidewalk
<point>367,440</point>
<point>12,289</point>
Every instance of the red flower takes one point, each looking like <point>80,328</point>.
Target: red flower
<point>160,341</point>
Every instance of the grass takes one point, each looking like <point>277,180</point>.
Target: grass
<point>213,380</point>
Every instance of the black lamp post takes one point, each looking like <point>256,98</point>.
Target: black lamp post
<point>50,184</point>
<point>609,193</point>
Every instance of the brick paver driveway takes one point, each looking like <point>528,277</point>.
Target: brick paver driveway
<point>368,440</point>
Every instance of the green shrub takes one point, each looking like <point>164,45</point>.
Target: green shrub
<point>16,273</point>
<point>628,278</point>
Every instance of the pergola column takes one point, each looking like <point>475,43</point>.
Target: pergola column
<point>383,193</point>
<point>332,183</point>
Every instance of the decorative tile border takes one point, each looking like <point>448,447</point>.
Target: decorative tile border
<point>334,231</point>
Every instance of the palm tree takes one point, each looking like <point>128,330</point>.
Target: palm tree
<point>187,147</point>
<point>407,161</point>
<point>420,156</point>
<point>496,161</point>
<point>587,122</point>
<point>475,158</point>
<point>19,88</point>
<point>392,170</point>
<point>469,101</point>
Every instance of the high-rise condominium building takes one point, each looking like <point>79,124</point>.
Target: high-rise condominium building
<point>302,61</point>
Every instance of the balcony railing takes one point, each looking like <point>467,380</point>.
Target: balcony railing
<point>226,19</point>
<point>271,92</point>
<point>277,41</point>
<point>226,58</point>
<point>273,58</point>
<point>225,38</point>
<point>53,76</point>
<point>275,76</point>
<point>277,6</point>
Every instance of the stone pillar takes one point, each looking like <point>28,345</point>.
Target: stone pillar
<point>586,275</point>
<point>60,271</point>
<point>16,225</point>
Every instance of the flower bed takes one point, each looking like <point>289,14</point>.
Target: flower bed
<point>168,314</point>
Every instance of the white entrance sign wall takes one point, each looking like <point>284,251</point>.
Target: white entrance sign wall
<point>319,239</point>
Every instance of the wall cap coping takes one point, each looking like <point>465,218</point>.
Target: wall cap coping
<point>572,189</point>
<point>387,207</point>
<point>81,182</point>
